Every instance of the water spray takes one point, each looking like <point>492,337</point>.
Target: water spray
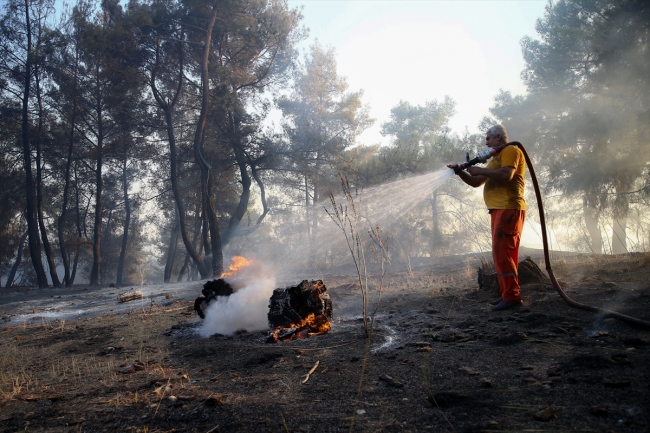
<point>482,157</point>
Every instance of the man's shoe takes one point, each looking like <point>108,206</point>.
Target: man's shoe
<point>496,301</point>
<point>505,305</point>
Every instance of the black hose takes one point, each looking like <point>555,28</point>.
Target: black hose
<point>556,284</point>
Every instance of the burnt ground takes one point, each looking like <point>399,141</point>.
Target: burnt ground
<point>438,360</point>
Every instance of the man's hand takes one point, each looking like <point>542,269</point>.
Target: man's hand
<point>474,171</point>
<point>456,168</point>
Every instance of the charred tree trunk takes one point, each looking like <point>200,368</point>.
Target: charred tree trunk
<point>205,226</point>
<point>171,249</point>
<point>30,214</point>
<point>107,226</point>
<point>49,256</point>
<point>66,186</point>
<point>127,221</point>
<point>180,205</point>
<point>246,182</point>
<point>186,264</point>
<point>167,107</point>
<point>77,252</point>
<point>260,184</point>
<point>19,258</point>
<point>96,272</point>
<point>215,237</point>
<point>184,268</point>
<point>202,162</point>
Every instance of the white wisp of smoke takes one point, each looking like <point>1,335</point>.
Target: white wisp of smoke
<point>246,308</point>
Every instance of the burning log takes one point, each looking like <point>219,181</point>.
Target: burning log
<point>299,311</point>
<point>211,290</point>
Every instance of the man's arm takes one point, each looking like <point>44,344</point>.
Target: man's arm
<point>472,180</point>
<point>503,174</point>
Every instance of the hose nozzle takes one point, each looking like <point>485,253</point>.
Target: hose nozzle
<point>482,157</point>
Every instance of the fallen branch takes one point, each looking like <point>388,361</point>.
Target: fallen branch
<point>130,296</point>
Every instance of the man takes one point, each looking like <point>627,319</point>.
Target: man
<point>504,196</point>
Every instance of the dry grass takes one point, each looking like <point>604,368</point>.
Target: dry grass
<point>51,359</point>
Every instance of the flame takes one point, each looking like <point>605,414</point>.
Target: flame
<point>236,264</point>
<point>310,325</point>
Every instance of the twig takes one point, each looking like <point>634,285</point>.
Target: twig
<point>161,398</point>
<point>310,372</point>
<point>284,423</point>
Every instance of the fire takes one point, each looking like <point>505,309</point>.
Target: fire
<point>310,325</point>
<point>237,263</point>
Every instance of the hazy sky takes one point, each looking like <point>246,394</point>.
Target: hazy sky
<point>423,50</point>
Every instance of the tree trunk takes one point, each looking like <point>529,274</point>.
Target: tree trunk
<point>106,228</point>
<point>206,183</point>
<point>19,258</point>
<point>620,212</point>
<point>313,244</point>
<point>215,237</point>
<point>205,225</point>
<point>246,181</point>
<point>49,256</point>
<point>171,249</point>
<point>66,187</point>
<point>308,224</point>
<point>96,271</point>
<point>436,233</point>
<point>77,253</point>
<point>591,215</point>
<point>180,205</point>
<point>127,221</point>
<point>619,224</point>
<point>186,265</point>
<point>30,214</point>
<point>167,108</point>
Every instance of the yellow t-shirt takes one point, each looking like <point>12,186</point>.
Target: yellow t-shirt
<point>510,194</point>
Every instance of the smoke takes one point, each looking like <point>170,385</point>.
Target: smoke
<point>247,307</point>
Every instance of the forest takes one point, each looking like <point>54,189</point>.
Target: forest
<point>136,144</point>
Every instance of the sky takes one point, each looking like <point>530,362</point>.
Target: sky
<point>419,51</point>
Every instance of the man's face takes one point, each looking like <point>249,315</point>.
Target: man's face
<point>492,140</point>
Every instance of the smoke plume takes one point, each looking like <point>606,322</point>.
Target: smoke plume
<point>247,307</point>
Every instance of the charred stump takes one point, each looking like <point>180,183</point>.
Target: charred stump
<point>487,278</point>
<point>211,290</point>
<point>528,272</point>
<point>298,311</point>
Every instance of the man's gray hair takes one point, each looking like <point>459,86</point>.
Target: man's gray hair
<point>499,130</point>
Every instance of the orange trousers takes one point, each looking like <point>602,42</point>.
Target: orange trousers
<point>507,225</point>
